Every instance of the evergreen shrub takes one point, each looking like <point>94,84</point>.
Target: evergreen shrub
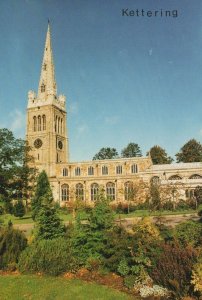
<point>51,257</point>
<point>12,243</point>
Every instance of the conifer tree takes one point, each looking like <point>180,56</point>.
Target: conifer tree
<point>43,194</point>
<point>19,209</point>
<point>49,225</point>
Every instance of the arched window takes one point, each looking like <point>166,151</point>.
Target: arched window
<point>79,191</point>
<point>56,124</point>
<point>65,172</point>
<point>44,122</point>
<point>94,191</point>
<point>134,169</point>
<point>128,191</point>
<point>39,123</point>
<point>43,88</point>
<point>118,169</point>
<point>77,171</point>
<point>65,192</point>
<point>110,190</point>
<point>90,170</point>
<point>35,123</point>
<point>174,177</point>
<point>155,180</point>
<point>59,125</point>
<point>195,176</point>
<point>104,170</point>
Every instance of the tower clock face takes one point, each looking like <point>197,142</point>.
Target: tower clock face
<point>60,145</point>
<point>38,143</point>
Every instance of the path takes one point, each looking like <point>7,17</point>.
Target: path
<point>169,220</point>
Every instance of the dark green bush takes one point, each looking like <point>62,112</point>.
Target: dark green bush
<point>12,243</point>
<point>189,232</point>
<point>19,209</point>
<point>129,281</point>
<point>51,257</point>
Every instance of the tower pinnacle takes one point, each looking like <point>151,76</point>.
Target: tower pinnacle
<point>47,84</point>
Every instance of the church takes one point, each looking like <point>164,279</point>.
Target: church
<point>47,136</point>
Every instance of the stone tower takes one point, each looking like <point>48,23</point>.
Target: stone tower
<point>46,118</point>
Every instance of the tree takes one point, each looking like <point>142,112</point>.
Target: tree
<point>106,153</point>
<point>19,209</point>
<point>159,156</point>
<point>88,236</point>
<point>190,152</point>
<point>49,225</point>
<point>15,174</point>
<point>14,169</point>
<point>43,194</point>
<point>131,150</point>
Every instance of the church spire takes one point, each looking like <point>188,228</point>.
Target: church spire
<point>47,84</point>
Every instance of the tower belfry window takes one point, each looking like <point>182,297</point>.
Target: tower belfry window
<point>44,67</point>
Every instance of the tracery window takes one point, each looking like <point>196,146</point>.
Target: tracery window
<point>79,192</point>
<point>61,131</point>
<point>35,123</point>
<point>128,191</point>
<point>56,120</point>
<point>155,180</point>
<point>134,169</point>
<point>65,172</point>
<point>90,170</point>
<point>195,176</point>
<point>77,171</point>
<point>65,192</point>
<point>118,169</point>
<point>104,170</point>
<point>94,191</point>
<point>39,123</point>
<point>58,125</point>
<point>174,177</point>
<point>44,122</point>
<point>110,190</point>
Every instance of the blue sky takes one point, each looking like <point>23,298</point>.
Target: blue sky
<point>126,79</point>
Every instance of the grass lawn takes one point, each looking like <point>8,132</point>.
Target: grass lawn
<point>19,287</point>
<point>146,213</point>
<point>68,217</point>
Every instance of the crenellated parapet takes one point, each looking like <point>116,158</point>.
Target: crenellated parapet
<point>34,101</point>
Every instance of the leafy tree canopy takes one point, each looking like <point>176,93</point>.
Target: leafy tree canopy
<point>14,170</point>
<point>131,150</point>
<point>106,153</point>
<point>190,152</point>
<point>159,156</point>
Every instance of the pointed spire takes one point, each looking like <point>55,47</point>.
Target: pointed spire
<point>47,84</point>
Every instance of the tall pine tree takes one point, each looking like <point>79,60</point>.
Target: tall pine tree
<point>43,194</point>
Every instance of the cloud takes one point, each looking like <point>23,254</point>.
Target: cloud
<point>200,131</point>
<point>112,120</point>
<point>73,108</point>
